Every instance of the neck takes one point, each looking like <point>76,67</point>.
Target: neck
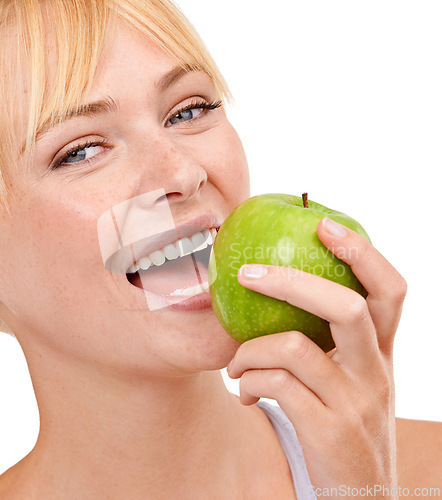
<point>134,438</point>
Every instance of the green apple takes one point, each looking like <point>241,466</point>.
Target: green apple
<point>277,230</point>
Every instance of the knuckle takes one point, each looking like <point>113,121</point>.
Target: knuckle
<point>357,309</point>
<point>401,289</point>
<point>296,346</point>
<point>396,292</point>
<point>281,381</point>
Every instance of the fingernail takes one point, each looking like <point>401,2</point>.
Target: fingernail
<point>334,228</point>
<point>229,366</point>
<point>253,271</point>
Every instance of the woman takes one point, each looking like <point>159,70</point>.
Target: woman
<point>117,104</point>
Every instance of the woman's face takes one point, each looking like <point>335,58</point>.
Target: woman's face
<point>59,294</point>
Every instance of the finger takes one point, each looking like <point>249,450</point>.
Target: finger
<point>301,406</point>
<point>385,286</point>
<point>298,355</point>
<point>350,322</point>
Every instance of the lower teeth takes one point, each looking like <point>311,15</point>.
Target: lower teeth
<point>193,290</point>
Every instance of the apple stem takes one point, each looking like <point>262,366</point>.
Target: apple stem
<point>305,199</point>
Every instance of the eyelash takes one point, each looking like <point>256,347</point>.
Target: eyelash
<point>193,105</point>
<point>76,149</point>
<point>198,105</point>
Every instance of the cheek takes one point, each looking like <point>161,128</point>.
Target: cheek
<point>227,164</point>
<point>66,234</point>
<point>56,240</point>
<point>237,170</point>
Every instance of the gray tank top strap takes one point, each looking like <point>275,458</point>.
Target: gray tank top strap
<point>292,449</point>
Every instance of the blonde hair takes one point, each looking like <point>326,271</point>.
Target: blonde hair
<point>77,31</point>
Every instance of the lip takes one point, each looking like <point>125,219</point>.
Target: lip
<point>184,230</point>
<point>195,303</point>
<point>192,303</point>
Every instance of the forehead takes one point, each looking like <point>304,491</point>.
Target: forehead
<point>127,51</point>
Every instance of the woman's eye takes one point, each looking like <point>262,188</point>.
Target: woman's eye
<point>192,111</point>
<point>81,153</point>
<point>185,115</point>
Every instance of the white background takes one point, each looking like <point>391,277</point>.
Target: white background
<point>342,99</point>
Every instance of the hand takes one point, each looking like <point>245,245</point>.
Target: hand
<point>341,403</point>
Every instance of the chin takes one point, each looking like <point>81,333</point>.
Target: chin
<point>219,355</point>
<point>206,349</point>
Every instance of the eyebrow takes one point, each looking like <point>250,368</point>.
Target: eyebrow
<point>174,75</point>
<point>108,105</point>
<point>103,106</point>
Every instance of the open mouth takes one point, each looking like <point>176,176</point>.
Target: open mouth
<point>178,270</point>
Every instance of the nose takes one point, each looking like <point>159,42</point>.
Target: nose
<point>175,169</point>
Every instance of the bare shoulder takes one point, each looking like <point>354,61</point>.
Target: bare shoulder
<point>419,453</point>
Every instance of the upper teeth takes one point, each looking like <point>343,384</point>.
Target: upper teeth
<point>180,248</point>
